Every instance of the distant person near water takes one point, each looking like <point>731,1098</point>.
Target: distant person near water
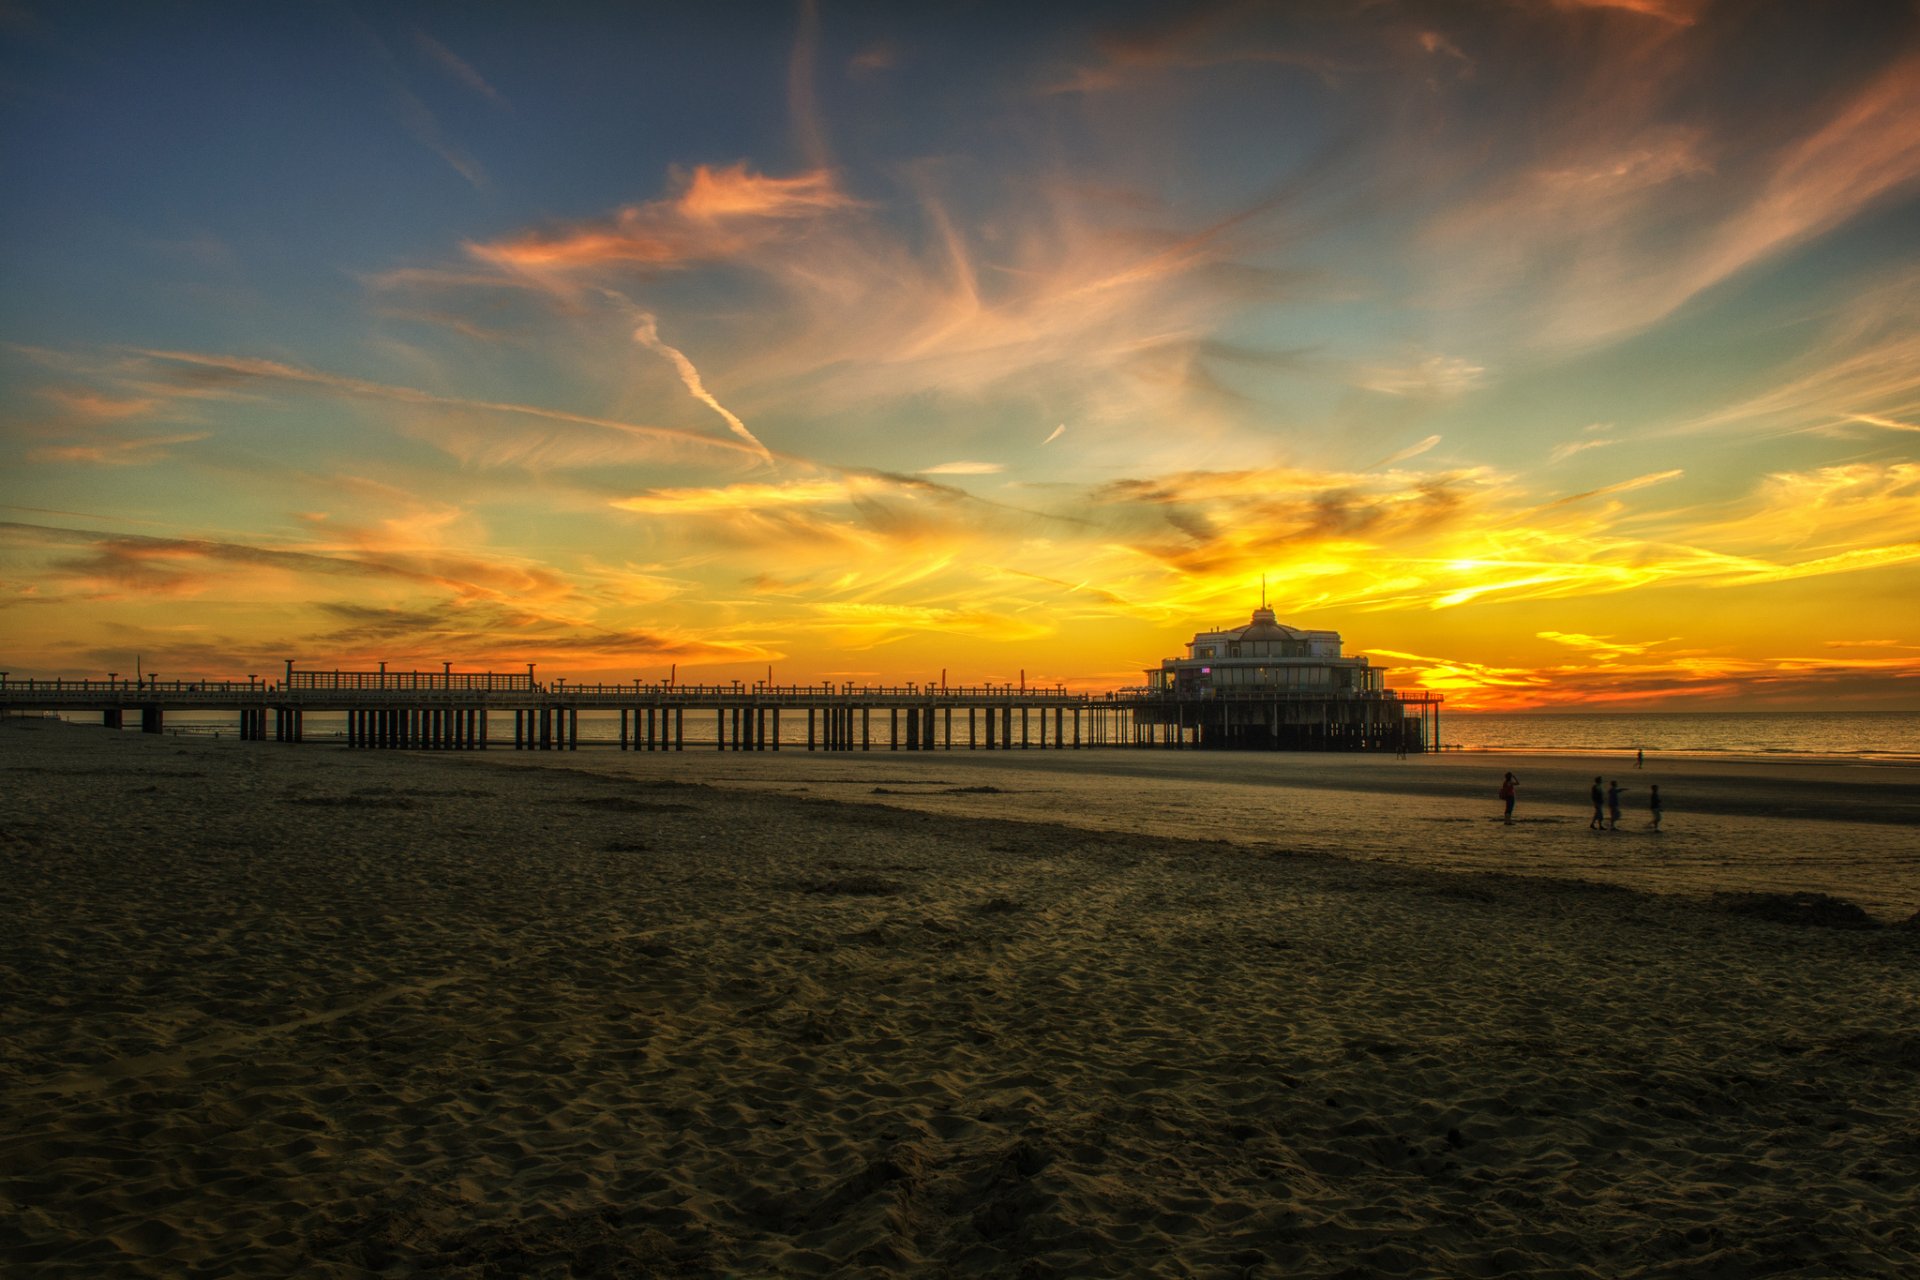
<point>1653,803</point>
<point>1640,759</point>
<point>1599,807</point>
<point>1508,787</point>
<point>1613,806</point>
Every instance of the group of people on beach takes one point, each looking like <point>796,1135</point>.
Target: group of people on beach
<point>1606,803</point>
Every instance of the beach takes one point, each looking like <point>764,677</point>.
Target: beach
<point>280,1010</point>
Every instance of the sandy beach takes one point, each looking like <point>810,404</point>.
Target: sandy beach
<point>281,1010</point>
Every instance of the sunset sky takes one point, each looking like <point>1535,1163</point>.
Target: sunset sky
<point>1558,353</point>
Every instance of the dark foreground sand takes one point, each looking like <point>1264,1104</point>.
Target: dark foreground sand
<point>300,1011</point>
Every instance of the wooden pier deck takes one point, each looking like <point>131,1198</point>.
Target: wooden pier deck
<point>451,710</point>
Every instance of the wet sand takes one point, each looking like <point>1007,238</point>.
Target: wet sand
<point>297,1010</point>
<point>1766,826</point>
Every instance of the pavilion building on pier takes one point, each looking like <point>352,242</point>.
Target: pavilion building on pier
<point>1270,685</point>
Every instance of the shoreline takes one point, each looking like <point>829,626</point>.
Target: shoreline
<point>1891,759</point>
<point>184,727</point>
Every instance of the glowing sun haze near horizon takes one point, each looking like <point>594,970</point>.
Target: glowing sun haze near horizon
<point>1558,353</point>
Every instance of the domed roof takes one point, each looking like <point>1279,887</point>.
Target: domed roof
<point>1263,627</point>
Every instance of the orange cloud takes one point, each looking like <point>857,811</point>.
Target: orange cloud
<point>737,192</point>
<point>1683,13</point>
<point>719,213</point>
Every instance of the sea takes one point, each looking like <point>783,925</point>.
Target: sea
<point>1887,734</point>
<point>1879,735</point>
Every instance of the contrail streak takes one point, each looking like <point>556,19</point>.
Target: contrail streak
<point>648,335</point>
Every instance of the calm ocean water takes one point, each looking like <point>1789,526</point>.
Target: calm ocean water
<point>1819,733</point>
<point>1878,734</point>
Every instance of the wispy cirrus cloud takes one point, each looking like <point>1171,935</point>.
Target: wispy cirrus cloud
<point>639,438</point>
<point>1197,38</point>
<point>125,451</point>
<point>1593,233</point>
<point>1570,448</point>
<point>964,468</point>
<point>1621,486</point>
<point>414,116</point>
<point>1071,285</point>
<point>1432,376</point>
<point>1862,370</point>
<point>117,565</point>
<point>1412,451</point>
<point>734,497</point>
<point>459,68</point>
<point>1605,647</point>
<point>93,406</point>
<point>647,334</point>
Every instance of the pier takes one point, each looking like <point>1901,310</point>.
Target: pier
<point>473,711</point>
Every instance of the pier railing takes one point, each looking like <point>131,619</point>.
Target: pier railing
<point>444,681</point>
<point>19,693</point>
<point>451,708</point>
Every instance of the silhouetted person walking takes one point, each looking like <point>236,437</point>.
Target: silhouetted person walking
<point>1653,803</point>
<point>1507,789</point>
<point>1599,807</point>
<point>1613,806</point>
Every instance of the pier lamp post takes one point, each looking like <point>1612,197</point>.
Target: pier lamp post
<point>111,677</point>
<point>251,677</point>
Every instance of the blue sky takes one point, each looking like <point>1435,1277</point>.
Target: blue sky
<point>1556,352</point>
